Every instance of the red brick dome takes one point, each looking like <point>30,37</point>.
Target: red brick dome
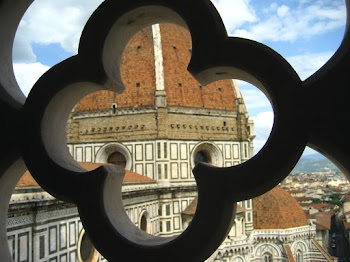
<point>277,209</point>
<point>139,75</point>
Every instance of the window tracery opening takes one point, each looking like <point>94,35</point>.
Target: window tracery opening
<point>143,223</point>
<point>86,251</point>
<point>299,256</point>
<point>267,257</point>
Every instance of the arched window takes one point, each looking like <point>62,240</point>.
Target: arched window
<point>238,259</point>
<point>207,153</point>
<point>143,223</point>
<point>299,256</point>
<point>86,250</point>
<point>114,108</point>
<point>116,154</point>
<point>267,257</point>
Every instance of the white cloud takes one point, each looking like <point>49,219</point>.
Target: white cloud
<point>282,23</point>
<point>262,125</point>
<point>253,97</point>
<point>61,22</point>
<point>282,11</point>
<point>306,64</point>
<point>263,122</point>
<point>235,13</point>
<point>48,22</point>
<point>22,51</point>
<point>53,22</point>
<point>27,74</point>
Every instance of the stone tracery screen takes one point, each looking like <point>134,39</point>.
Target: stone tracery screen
<point>34,134</point>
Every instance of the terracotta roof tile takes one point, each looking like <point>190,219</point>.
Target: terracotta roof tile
<point>240,209</point>
<point>296,191</point>
<point>323,219</point>
<point>130,177</point>
<point>303,198</point>
<point>320,206</point>
<point>191,208</point>
<point>27,180</point>
<point>277,209</point>
<point>346,197</point>
<point>320,226</point>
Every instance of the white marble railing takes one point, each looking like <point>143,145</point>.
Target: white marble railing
<point>288,232</point>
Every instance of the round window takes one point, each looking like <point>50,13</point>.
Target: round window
<point>115,154</point>
<point>206,152</point>
<point>86,251</point>
<point>86,248</point>
<point>202,156</point>
<point>117,158</point>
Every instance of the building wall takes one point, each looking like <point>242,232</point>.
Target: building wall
<point>168,161</point>
<point>50,230</point>
<point>130,124</point>
<point>46,231</point>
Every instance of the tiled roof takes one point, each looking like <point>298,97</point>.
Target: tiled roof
<point>320,226</point>
<point>346,197</point>
<point>305,204</point>
<point>130,177</point>
<point>320,206</point>
<point>295,191</point>
<point>240,209</point>
<point>323,219</point>
<point>191,208</point>
<point>277,209</point>
<point>27,181</point>
<point>303,198</point>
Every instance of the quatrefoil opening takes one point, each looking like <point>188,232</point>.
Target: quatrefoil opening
<point>97,66</point>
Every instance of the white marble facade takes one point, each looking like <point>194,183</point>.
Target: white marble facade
<point>50,230</point>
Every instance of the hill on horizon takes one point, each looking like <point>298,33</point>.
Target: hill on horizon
<point>314,163</point>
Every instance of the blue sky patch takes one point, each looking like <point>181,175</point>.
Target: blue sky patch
<point>50,54</point>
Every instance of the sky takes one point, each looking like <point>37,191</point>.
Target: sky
<point>305,32</point>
